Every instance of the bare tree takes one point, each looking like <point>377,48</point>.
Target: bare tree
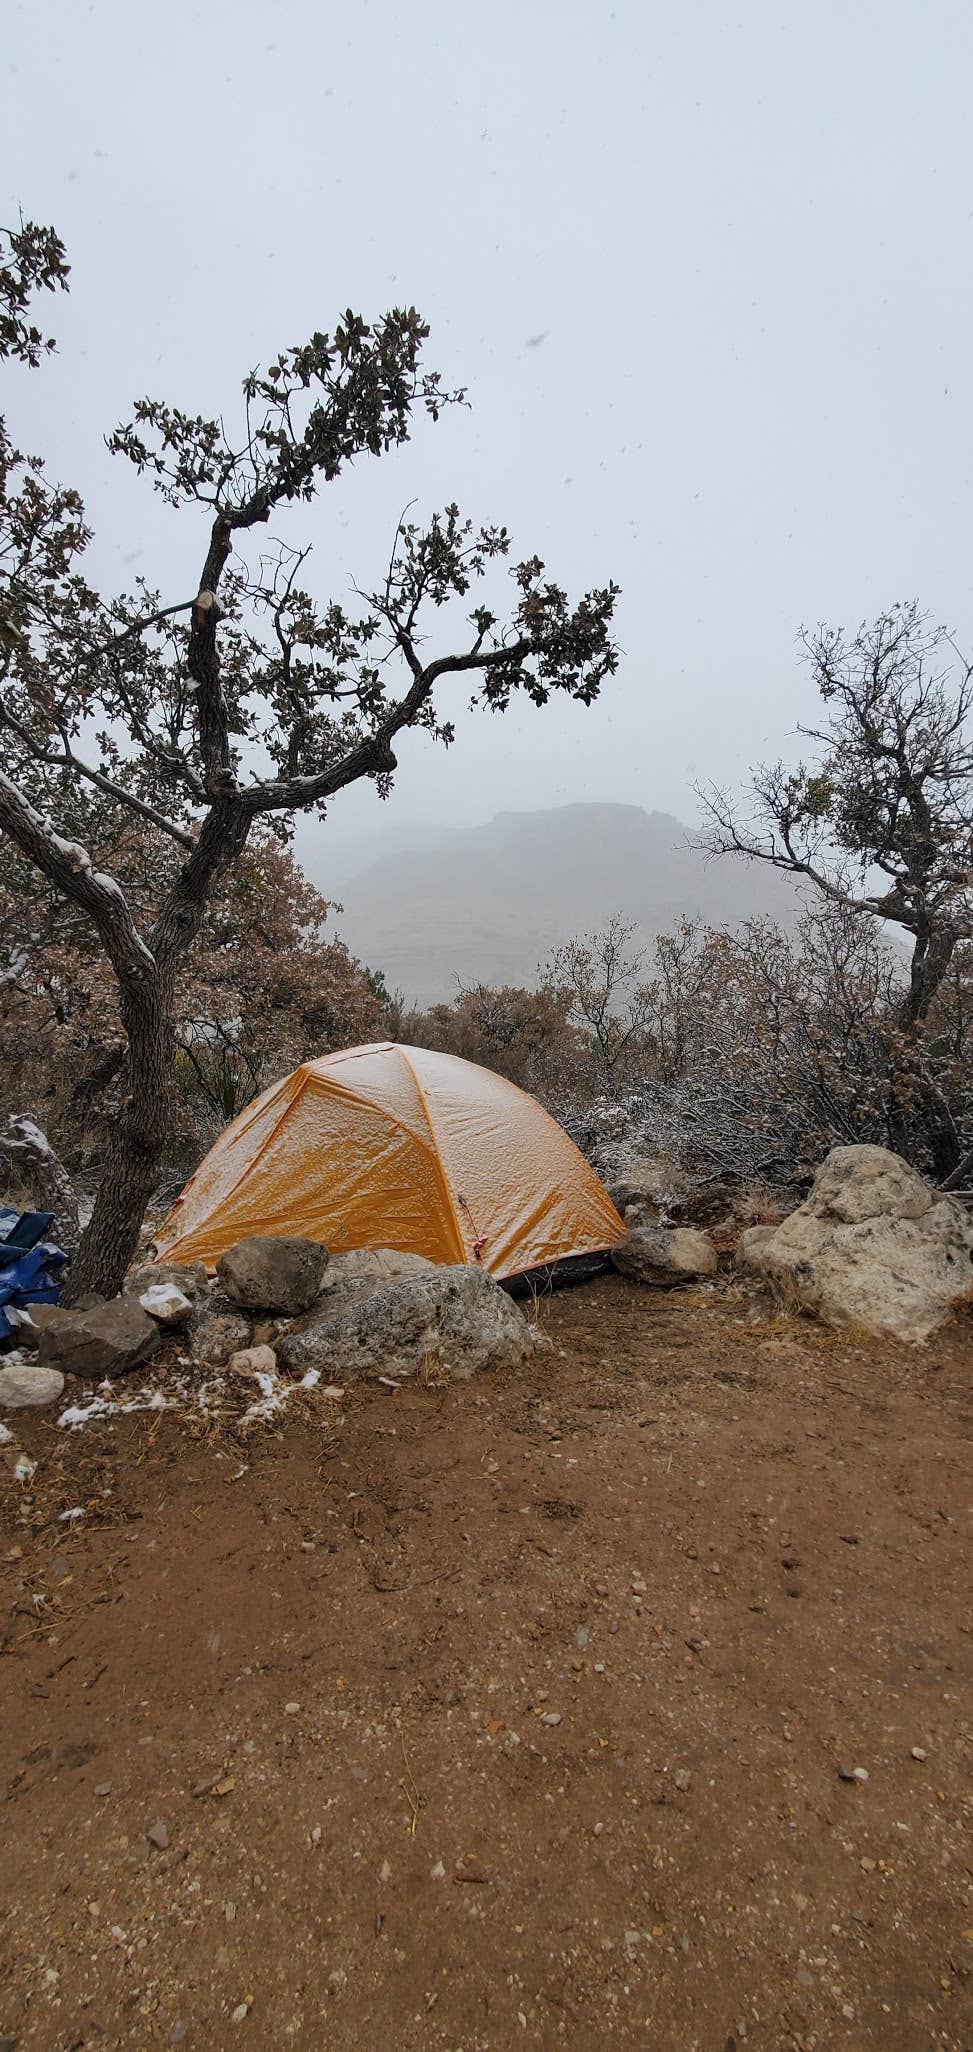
<point>243,698</point>
<point>609,1000</point>
<point>883,822</point>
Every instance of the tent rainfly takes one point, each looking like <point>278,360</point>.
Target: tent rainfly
<point>391,1146</point>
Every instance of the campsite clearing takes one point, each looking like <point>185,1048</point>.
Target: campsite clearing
<point>522,1712</point>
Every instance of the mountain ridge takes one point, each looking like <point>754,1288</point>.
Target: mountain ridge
<point>488,903</point>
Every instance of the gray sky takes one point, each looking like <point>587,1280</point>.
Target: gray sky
<point>744,235</point>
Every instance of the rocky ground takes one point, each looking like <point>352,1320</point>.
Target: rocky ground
<point>620,1698</point>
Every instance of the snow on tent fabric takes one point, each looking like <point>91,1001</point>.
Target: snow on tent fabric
<point>391,1146</point>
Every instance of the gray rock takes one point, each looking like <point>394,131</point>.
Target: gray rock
<point>219,1330</point>
<point>169,1306</point>
<point>663,1256</point>
<point>752,1247</point>
<point>872,1248</point>
<point>371,1265</point>
<point>188,1276</point>
<point>265,1274</point>
<point>449,1320</point>
<point>253,1361</point>
<point>108,1340</point>
<point>648,1187</point>
<point>24,1384</point>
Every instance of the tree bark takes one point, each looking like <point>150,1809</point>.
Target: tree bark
<point>138,1140</point>
<point>931,956</point>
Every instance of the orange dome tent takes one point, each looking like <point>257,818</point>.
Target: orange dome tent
<point>391,1146</point>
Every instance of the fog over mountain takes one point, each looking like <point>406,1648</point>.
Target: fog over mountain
<point>488,903</point>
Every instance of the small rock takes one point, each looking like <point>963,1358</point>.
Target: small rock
<point>867,1865</point>
<point>438,1872</point>
<point>663,1257</point>
<point>291,1709</point>
<point>103,1788</point>
<point>24,1385</point>
<point>639,1588</point>
<point>581,1637</point>
<point>158,1835</point>
<point>252,1361</point>
<point>682,1778</point>
<point>551,1717</point>
<point>385,1871</point>
<point>852,1773</point>
<point>240,2013</point>
<point>918,1752</point>
<point>167,1304</point>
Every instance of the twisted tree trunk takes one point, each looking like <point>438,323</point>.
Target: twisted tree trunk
<point>135,1151</point>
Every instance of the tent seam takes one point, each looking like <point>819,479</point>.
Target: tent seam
<point>434,1149</point>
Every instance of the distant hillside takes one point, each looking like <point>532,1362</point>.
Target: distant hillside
<point>488,903</point>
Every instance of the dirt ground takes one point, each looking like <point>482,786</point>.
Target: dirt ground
<point>517,1714</point>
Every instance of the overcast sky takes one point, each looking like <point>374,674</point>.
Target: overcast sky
<point>705,271</point>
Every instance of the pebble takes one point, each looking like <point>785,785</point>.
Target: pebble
<point>291,1709</point>
<point>103,1788</point>
<point>438,1872</point>
<point>581,1637</point>
<point>552,1717</point>
<point>639,1588</point>
<point>385,1871</point>
<point>158,1835</point>
<point>852,1773</point>
<point>918,1753</point>
<point>682,1778</point>
<point>240,2013</point>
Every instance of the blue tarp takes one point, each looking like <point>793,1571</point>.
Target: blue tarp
<point>30,1267</point>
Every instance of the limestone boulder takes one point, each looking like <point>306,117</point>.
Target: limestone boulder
<point>369,1266</point>
<point>452,1322</point>
<point>265,1274</point>
<point>25,1385</point>
<point>873,1248</point>
<point>109,1339</point>
<point>665,1256</point>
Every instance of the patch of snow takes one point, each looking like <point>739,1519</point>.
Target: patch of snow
<point>32,1135</point>
<point>24,1468</point>
<point>5,1433</point>
<point>311,1379</point>
<point>69,1517</point>
<point>78,1415</point>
